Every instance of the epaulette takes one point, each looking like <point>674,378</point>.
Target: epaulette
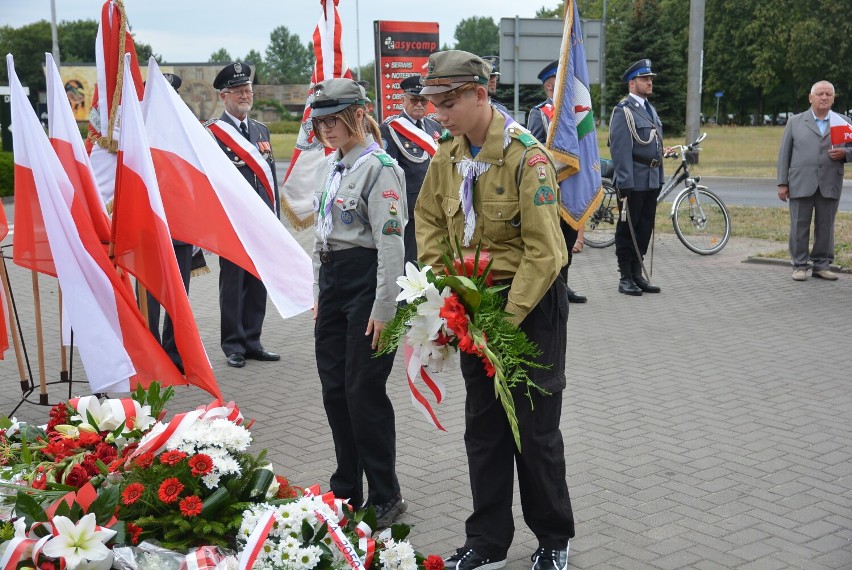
<point>445,136</point>
<point>256,121</point>
<point>389,119</point>
<point>384,158</point>
<point>523,136</point>
<point>623,103</point>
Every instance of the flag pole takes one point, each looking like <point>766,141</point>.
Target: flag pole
<point>63,352</point>
<point>13,327</point>
<point>42,379</point>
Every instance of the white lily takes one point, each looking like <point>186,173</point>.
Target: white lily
<point>78,543</point>
<point>413,283</point>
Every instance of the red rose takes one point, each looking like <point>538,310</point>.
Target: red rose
<point>170,490</point>
<point>190,506</point>
<point>105,452</point>
<point>201,464</point>
<point>77,476</point>
<point>90,464</point>
<point>134,531</point>
<point>132,493</point>
<point>434,562</point>
<point>172,457</point>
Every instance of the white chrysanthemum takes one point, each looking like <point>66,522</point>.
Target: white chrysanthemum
<point>398,556</point>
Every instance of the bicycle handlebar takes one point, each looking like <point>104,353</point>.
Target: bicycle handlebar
<point>678,150</point>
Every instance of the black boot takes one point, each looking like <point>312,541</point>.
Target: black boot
<point>626,284</point>
<point>574,297</point>
<point>640,281</point>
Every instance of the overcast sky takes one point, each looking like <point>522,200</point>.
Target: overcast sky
<point>185,31</point>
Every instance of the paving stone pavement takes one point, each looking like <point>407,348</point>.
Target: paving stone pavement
<point>706,427</point>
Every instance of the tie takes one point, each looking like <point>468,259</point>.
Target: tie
<point>419,124</point>
<point>244,129</point>
<point>648,109</point>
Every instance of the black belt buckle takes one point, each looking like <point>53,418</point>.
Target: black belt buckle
<point>654,163</point>
<point>325,256</point>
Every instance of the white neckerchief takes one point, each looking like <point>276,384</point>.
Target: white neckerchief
<point>325,221</point>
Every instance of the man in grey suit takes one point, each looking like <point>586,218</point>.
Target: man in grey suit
<point>810,176</point>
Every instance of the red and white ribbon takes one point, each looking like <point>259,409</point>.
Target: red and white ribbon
<point>123,410</point>
<point>415,370</point>
<point>179,424</point>
<point>248,153</point>
<point>18,550</point>
<point>216,409</point>
<point>337,535</point>
<point>366,542</point>
<point>418,136</point>
<point>203,558</point>
<point>256,539</point>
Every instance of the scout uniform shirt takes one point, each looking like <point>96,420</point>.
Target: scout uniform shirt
<point>518,224</point>
<point>368,210</point>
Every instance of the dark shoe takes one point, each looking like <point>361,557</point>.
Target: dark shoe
<point>645,285</point>
<point>264,355</point>
<point>388,512</point>
<point>467,559</point>
<point>573,297</point>
<point>628,287</point>
<point>237,360</point>
<point>550,559</point>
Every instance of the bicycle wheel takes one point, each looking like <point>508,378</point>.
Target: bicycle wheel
<point>600,227</point>
<point>701,221</point>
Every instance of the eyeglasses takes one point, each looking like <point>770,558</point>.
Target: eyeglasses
<point>419,101</point>
<point>327,122</point>
<point>241,92</point>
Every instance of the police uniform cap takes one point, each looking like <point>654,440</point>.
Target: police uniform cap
<point>494,62</point>
<point>448,70</point>
<point>174,80</point>
<point>411,85</point>
<point>333,95</point>
<point>232,75</point>
<point>641,68</point>
<point>549,71</point>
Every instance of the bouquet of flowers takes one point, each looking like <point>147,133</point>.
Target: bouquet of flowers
<point>462,310</point>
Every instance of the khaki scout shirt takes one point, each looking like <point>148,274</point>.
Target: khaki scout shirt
<point>369,211</point>
<point>517,225</point>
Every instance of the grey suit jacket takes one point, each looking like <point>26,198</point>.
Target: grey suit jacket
<point>803,161</point>
<point>631,159</point>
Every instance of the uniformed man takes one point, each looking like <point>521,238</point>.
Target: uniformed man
<point>492,184</point>
<point>242,296</point>
<point>410,138</point>
<point>538,124</point>
<point>636,145</point>
<point>493,78</point>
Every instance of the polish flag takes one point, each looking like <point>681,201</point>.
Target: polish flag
<point>113,41</point>
<point>841,130</point>
<point>300,181</point>
<point>142,243</point>
<point>116,348</point>
<point>208,202</point>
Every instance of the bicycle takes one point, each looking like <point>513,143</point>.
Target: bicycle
<point>701,220</point>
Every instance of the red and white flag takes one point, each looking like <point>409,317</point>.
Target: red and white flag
<point>4,332</point>
<point>113,41</point>
<point>209,203</point>
<point>841,130</point>
<point>301,181</point>
<point>143,245</point>
<point>109,331</point>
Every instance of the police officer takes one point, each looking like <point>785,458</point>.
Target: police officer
<point>636,145</point>
<point>538,124</point>
<point>410,138</point>
<point>493,78</point>
<point>358,255</point>
<point>491,183</point>
<point>242,296</point>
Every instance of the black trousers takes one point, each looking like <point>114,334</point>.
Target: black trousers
<point>643,209</point>
<point>242,304</point>
<point>569,234</point>
<point>354,382</point>
<point>491,452</point>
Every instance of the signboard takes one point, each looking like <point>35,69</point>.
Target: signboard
<point>402,50</point>
<point>532,43</point>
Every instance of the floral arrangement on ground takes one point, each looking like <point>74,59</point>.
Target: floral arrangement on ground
<point>107,483</point>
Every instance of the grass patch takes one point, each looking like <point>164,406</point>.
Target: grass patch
<point>772,224</point>
<point>283,145</point>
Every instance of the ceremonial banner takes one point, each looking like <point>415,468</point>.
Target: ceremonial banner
<point>301,180</point>
<point>841,131</point>
<point>571,135</point>
<point>143,245</point>
<point>209,203</point>
<point>115,346</point>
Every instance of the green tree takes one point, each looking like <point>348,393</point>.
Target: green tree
<point>77,40</point>
<point>287,59</point>
<point>221,56</point>
<point>255,59</point>
<point>478,35</point>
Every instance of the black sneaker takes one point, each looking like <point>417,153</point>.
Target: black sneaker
<point>388,512</point>
<point>550,559</point>
<point>467,559</point>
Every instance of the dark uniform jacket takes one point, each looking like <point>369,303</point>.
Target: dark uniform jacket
<point>538,123</point>
<point>638,167</point>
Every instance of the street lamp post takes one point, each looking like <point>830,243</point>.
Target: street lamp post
<point>53,33</point>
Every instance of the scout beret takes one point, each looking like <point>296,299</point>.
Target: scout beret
<point>549,71</point>
<point>448,70</point>
<point>494,62</point>
<point>333,95</point>
<point>641,68</point>
<point>232,75</point>
<point>174,80</point>
<point>411,85</point>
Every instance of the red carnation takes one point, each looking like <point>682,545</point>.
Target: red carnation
<point>132,493</point>
<point>90,464</point>
<point>40,480</point>
<point>77,476</point>
<point>434,562</point>
<point>190,506</point>
<point>134,531</point>
<point>201,464</point>
<point>170,490</point>
<point>87,439</point>
<point>105,452</point>
<point>172,457</point>
<point>145,460</point>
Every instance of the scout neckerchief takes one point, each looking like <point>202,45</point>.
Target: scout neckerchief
<point>470,169</point>
<point>418,136</point>
<point>247,152</point>
<point>325,221</point>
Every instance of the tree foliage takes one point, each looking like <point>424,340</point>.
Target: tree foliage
<point>221,56</point>
<point>478,35</point>
<point>287,60</point>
